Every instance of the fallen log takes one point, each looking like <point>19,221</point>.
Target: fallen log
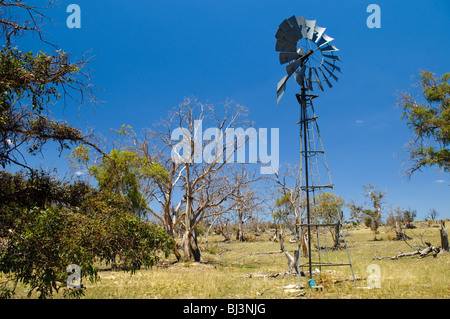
<point>422,253</point>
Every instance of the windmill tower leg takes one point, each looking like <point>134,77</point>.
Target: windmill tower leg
<point>303,129</point>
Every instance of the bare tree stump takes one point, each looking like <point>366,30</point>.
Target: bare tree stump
<point>292,261</point>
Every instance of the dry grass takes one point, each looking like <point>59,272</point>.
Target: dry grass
<point>223,272</point>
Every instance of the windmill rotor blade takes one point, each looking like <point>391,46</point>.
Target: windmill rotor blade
<point>302,25</point>
<point>326,79</point>
<point>280,93</point>
<point>318,80</point>
<point>294,25</point>
<point>310,24</point>
<point>282,46</point>
<point>286,27</point>
<point>328,48</point>
<point>283,36</point>
<point>288,56</point>
<point>333,57</point>
<point>295,56</point>
<point>282,83</point>
<point>293,66</point>
<point>318,31</point>
<point>324,40</point>
<point>300,75</point>
<point>333,66</point>
<point>331,73</point>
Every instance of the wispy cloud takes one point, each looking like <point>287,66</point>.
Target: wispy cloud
<point>440,181</point>
<point>359,122</point>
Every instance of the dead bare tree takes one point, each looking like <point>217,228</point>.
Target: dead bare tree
<point>398,220</point>
<point>288,182</point>
<point>196,162</point>
<point>247,198</point>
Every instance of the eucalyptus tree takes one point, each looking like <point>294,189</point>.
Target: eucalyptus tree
<point>429,122</point>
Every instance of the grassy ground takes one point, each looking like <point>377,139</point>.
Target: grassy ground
<point>226,270</point>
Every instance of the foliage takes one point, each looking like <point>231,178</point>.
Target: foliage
<point>284,202</point>
<point>56,224</point>
<point>123,172</point>
<point>283,207</point>
<point>372,218</point>
<point>329,207</point>
<point>429,122</point>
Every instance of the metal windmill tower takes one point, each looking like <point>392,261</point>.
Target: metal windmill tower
<point>312,60</point>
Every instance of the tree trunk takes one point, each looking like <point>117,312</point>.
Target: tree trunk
<point>275,236</point>
<point>169,226</point>
<point>209,229</point>
<point>240,234</point>
<point>189,243</point>
<point>190,247</point>
<point>304,238</point>
<point>292,261</point>
<point>337,235</point>
<point>444,237</point>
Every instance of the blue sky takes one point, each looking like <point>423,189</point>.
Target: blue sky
<point>149,55</point>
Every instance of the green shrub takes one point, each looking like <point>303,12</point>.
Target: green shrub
<point>42,240</point>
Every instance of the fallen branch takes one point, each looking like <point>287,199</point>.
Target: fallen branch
<point>261,275</point>
<point>261,253</point>
<point>272,275</point>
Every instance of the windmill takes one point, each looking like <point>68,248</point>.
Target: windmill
<point>311,59</point>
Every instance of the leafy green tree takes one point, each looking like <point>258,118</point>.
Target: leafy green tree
<point>429,122</point>
<point>124,173</point>
<point>328,209</point>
